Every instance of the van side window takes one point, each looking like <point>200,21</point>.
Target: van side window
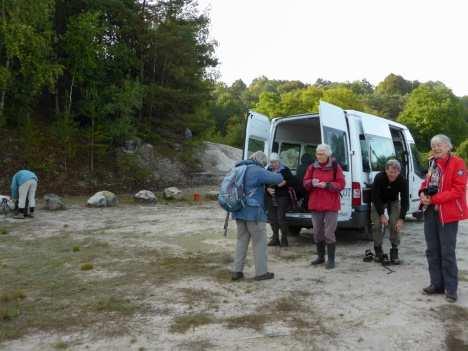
<point>364,154</point>
<point>255,145</point>
<point>289,155</point>
<point>381,150</point>
<point>418,168</point>
<point>337,141</point>
<point>310,150</point>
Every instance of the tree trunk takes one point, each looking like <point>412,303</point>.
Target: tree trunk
<point>70,96</point>
<point>91,154</point>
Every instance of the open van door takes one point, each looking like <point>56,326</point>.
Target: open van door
<point>257,132</point>
<point>334,130</point>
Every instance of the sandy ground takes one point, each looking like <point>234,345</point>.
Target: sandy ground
<point>357,306</point>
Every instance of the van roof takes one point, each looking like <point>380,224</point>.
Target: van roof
<point>385,120</point>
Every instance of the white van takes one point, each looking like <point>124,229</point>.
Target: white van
<point>360,142</point>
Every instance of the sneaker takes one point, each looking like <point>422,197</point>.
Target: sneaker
<point>237,276</point>
<point>432,290</point>
<point>18,216</point>
<point>451,297</point>
<point>266,276</point>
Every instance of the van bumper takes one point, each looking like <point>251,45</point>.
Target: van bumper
<point>359,218</point>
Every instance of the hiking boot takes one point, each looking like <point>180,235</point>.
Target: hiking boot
<point>266,276</point>
<point>331,256</point>
<point>378,254</point>
<point>237,276</point>
<point>320,254</point>
<point>19,216</point>
<point>284,241</point>
<point>432,290</point>
<point>274,242</point>
<point>451,297</point>
<point>394,259</point>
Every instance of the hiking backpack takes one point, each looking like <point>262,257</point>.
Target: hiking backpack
<point>232,194</point>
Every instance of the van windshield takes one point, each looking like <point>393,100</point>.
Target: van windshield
<point>381,150</point>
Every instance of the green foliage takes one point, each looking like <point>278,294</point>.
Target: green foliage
<point>433,109</point>
<point>462,151</point>
<point>86,266</point>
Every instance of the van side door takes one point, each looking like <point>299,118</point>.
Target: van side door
<point>334,131</point>
<point>257,133</point>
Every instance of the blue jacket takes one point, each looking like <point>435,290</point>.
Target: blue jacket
<point>256,177</point>
<point>19,179</point>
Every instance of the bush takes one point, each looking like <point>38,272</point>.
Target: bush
<point>462,151</point>
<point>87,266</point>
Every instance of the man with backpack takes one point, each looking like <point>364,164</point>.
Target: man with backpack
<point>251,217</point>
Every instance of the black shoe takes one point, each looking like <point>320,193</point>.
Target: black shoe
<point>394,259</point>
<point>385,260</point>
<point>284,241</point>
<point>331,256</point>
<point>237,276</point>
<point>378,254</point>
<point>432,290</point>
<point>320,254</point>
<point>274,242</point>
<point>266,276</point>
<point>451,297</point>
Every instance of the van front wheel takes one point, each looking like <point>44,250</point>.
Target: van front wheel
<point>294,230</point>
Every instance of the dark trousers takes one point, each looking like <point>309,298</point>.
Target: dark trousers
<point>276,215</point>
<point>441,241</point>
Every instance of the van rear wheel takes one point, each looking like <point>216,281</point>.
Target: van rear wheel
<point>294,230</point>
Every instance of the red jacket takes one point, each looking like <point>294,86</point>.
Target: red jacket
<point>327,199</point>
<point>451,197</point>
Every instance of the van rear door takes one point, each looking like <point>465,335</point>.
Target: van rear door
<point>257,132</point>
<point>334,130</point>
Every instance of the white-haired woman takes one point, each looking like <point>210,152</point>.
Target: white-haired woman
<point>443,194</point>
<point>324,180</point>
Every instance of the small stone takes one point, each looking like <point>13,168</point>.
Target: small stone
<point>212,195</point>
<point>54,202</point>
<point>145,196</point>
<point>103,199</point>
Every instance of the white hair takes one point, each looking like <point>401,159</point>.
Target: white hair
<point>260,157</point>
<point>392,163</point>
<point>442,138</point>
<point>325,148</point>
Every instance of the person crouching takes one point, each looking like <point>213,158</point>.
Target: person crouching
<point>23,191</point>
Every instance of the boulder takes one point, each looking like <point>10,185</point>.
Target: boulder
<point>10,203</point>
<point>103,199</point>
<point>145,196</point>
<point>53,202</point>
<point>172,193</point>
<point>212,195</point>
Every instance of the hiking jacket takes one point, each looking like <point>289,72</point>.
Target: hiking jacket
<point>327,199</point>
<point>256,177</point>
<point>19,179</point>
<point>451,197</point>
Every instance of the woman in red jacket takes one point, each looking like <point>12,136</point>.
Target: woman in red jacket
<point>443,195</point>
<point>324,180</point>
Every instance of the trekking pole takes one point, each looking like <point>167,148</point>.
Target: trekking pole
<point>226,223</point>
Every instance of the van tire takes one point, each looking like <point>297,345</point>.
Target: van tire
<point>294,230</point>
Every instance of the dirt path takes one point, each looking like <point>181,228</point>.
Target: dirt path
<point>160,282</point>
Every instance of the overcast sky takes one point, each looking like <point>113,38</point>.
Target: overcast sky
<point>342,40</point>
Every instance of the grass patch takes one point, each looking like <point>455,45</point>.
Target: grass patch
<point>195,345</point>
<point>3,231</point>
<point>76,248</point>
<point>183,323</point>
<point>60,345</point>
<point>254,321</point>
<point>116,304</point>
<point>58,298</point>
<point>86,266</point>
<point>194,297</point>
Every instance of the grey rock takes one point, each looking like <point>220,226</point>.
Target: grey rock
<point>103,199</point>
<point>212,195</point>
<point>54,202</point>
<point>145,196</point>
<point>172,193</point>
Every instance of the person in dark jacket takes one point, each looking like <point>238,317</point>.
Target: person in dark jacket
<point>389,193</point>
<point>444,196</point>
<point>251,219</point>
<point>278,202</point>
<point>302,193</point>
<point>324,180</point>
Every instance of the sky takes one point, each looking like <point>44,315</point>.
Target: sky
<point>341,40</point>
